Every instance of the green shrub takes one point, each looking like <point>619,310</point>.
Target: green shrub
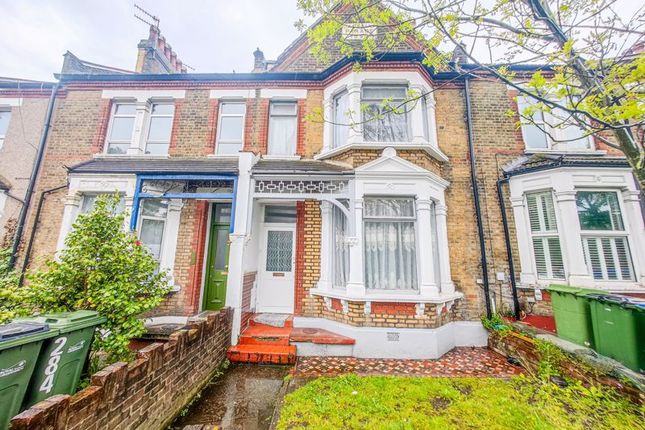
<point>103,268</point>
<point>11,296</point>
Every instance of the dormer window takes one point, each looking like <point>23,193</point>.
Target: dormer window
<point>384,117</point>
<point>283,128</point>
<point>544,131</point>
<point>160,128</point>
<point>121,128</point>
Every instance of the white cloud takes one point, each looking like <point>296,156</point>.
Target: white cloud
<point>209,35</point>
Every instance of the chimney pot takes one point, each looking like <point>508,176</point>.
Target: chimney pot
<point>258,64</point>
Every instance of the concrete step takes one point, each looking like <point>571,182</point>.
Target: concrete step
<point>265,335</point>
<point>262,354</point>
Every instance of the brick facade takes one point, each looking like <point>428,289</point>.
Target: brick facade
<point>146,393</point>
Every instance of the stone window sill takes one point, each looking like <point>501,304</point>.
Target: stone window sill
<point>393,297</point>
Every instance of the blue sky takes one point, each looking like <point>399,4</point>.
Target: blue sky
<point>209,35</point>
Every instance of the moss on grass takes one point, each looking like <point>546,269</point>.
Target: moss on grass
<point>386,402</point>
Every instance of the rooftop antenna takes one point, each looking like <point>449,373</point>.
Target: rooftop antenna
<point>149,16</point>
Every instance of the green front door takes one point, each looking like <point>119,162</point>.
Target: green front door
<point>217,262</point>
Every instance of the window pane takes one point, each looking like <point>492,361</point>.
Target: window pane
<point>280,214</point>
<point>340,248</point>
<point>160,129</point>
<point>375,92</point>
<point>279,251</point>
<point>221,250</point>
<point>341,120</point>
<point>283,109</point>
<point>152,235</point>
<point>228,148</point>
<point>608,258</point>
<point>390,255</point>
<point>599,211</point>
<point>541,212</point>
<point>5,115</point>
<point>118,148</point>
<point>233,108</point>
<point>125,109</point>
<point>231,128</point>
<point>381,124</point>
<point>163,109</point>
<point>122,129</point>
<point>389,207</point>
<point>88,201</point>
<point>282,135</point>
<point>154,208</point>
<point>534,138</point>
<point>157,148</point>
<point>222,213</point>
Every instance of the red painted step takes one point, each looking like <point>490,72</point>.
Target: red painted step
<point>262,354</point>
<point>264,334</point>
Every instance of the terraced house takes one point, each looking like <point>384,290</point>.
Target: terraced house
<point>353,237</point>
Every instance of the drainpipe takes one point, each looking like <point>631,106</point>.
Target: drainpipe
<point>509,251</point>
<point>22,217</point>
<point>32,235</point>
<point>478,212</point>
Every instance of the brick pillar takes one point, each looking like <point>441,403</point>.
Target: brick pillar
<point>300,248</point>
<point>196,270</point>
<point>101,131</point>
<point>213,112</point>
<point>172,149</point>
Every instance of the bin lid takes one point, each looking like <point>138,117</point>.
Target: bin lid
<point>21,332</point>
<point>579,291</point>
<point>70,321</point>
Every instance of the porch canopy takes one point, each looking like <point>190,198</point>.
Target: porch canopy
<point>205,179</point>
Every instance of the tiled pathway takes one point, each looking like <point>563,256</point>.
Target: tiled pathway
<point>477,362</point>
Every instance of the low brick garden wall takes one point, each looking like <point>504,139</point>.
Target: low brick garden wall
<point>146,393</point>
<point>523,347</point>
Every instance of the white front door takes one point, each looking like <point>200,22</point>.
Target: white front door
<point>276,269</point>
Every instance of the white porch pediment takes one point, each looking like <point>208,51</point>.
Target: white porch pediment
<point>390,165</point>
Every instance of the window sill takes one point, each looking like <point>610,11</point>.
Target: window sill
<point>394,296</point>
<point>563,152</point>
<point>229,156</point>
<point>130,156</point>
<point>609,286</point>
<point>432,150</point>
<point>281,157</point>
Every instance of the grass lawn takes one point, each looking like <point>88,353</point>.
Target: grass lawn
<point>388,402</point>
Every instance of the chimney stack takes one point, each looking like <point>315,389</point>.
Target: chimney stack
<point>259,63</point>
<point>156,56</point>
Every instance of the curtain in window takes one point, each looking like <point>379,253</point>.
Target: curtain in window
<point>340,261</point>
<point>282,136</point>
<point>153,221</point>
<point>390,245</point>
<point>382,124</point>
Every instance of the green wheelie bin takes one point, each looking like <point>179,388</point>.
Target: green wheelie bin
<point>572,313</point>
<point>63,357</point>
<point>619,329</point>
<point>20,344</point>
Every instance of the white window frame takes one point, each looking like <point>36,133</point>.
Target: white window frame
<point>219,126</point>
<point>585,235</point>
<point>389,219</point>
<point>113,116</point>
<point>273,103</point>
<point>343,92</point>
<point>143,217</point>
<point>3,136</point>
<point>559,144</point>
<point>406,115</point>
<point>149,116</point>
<point>544,236</point>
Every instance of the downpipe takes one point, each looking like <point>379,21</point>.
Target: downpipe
<point>509,250</point>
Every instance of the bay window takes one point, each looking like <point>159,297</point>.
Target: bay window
<point>283,128</point>
<point>230,136</point>
<point>121,128</point>
<point>160,128</point>
<point>544,236</point>
<point>152,223</point>
<point>390,243</point>
<point>384,120</point>
<point>604,239</point>
<point>545,131</point>
<point>88,200</point>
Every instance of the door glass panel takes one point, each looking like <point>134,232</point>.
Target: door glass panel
<point>221,249</point>
<point>279,251</point>
<point>280,214</point>
<point>222,213</point>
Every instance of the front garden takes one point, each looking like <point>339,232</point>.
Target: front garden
<point>387,402</point>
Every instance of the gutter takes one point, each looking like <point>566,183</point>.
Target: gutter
<point>22,217</point>
<point>478,213</point>
<point>507,241</point>
<point>32,235</point>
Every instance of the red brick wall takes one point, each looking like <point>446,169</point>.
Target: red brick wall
<point>146,393</point>
<point>300,292</point>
